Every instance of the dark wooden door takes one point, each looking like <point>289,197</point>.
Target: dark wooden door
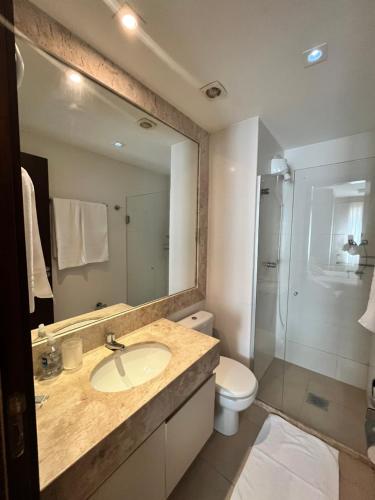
<point>37,168</point>
<point>19,473</point>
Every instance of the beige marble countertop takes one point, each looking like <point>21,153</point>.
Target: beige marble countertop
<point>84,435</point>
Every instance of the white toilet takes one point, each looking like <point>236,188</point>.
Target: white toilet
<point>236,385</point>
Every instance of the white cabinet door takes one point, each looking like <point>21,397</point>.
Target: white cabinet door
<point>141,476</point>
<point>187,431</point>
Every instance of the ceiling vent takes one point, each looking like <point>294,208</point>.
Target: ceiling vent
<point>214,90</point>
<point>146,123</point>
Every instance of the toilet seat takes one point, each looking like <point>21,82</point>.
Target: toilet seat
<point>234,380</point>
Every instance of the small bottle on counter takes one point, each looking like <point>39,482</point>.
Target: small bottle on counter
<point>42,331</point>
<point>50,359</point>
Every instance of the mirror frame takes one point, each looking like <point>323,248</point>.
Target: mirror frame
<point>52,37</point>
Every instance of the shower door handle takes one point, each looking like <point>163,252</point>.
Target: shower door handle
<point>270,265</point>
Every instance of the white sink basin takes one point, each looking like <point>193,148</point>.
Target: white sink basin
<point>135,366</point>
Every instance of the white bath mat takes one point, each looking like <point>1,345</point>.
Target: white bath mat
<point>286,463</point>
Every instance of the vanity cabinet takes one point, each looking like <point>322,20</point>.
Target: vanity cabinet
<point>141,476</point>
<point>155,467</point>
<point>187,431</point>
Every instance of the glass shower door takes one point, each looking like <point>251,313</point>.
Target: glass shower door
<point>316,256</point>
<point>275,205</point>
<point>330,277</point>
<point>327,352</point>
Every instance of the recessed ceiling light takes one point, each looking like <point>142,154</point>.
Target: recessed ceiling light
<point>118,144</point>
<point>146,123</point>
<point>74,77</point>
<point>129,21</point>
<point>315,54</point>
<point>214,90</point>
<point>356,182</point>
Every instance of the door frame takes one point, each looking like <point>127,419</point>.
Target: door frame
<point>18,458</point>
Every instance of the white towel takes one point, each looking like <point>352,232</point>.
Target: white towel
<point>95,231</point>
<point>368,319</point>
<point>80,232</point>
<point>286,463</point>
<point>67,233</point>
<point>36,269</point>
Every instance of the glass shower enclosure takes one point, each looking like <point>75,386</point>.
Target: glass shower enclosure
<point>315,264</point>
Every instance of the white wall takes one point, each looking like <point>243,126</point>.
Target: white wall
<point>80,174</point>
<point>348,148</point>
<point>232,192</point>
<point>323,332</point>
<point>268,148</point>
<point>183,216</point>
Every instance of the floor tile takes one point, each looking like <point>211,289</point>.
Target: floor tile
<point>294,397</point>
<point>276,368</point>
<point>339,392</point>
<point>223,456</point>
<point>271,390</point>
<point>296,375</point>
<point>202,482</point>
<point>337,422</point>
<point>350,491</point>
<point>256,414</point>
<point>357,480</point>
<point>344,419</point>
<point>228,453</point>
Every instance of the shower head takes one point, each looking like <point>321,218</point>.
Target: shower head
<point>279,166</point>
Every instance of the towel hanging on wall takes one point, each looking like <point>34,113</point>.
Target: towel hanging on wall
<point>36,269</point>
<point>368,319</point>
<point>80,232</point>
<point>95,231</point>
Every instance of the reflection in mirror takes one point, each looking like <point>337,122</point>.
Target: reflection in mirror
<point>116,196</point>
<point>349,219</point>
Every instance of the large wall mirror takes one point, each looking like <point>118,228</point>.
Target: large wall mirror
<point>116,195</point>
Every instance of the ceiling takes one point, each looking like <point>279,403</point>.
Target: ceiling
<point>254,47</point>
<point>88,116</point>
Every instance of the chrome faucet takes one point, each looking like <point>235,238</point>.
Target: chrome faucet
<point>111,344</point>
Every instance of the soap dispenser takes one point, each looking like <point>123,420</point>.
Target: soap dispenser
<point>51,359</point>
<point>42,333</point>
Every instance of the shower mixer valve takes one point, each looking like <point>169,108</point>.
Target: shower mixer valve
<point>352,246</point>
<point>270,265</point>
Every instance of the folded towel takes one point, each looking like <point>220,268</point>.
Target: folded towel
<point>95,231</point>
<point>36,269</point>
<point>67,229</point>
<point>368,319</point>
<point>80,232</point>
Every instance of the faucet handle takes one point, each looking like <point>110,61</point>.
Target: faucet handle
<point>110,337</point>
<point>112,344</point>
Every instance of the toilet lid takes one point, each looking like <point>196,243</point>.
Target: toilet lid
<point>234,380</point>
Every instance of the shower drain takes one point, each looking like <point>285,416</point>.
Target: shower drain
<point>317,401</point>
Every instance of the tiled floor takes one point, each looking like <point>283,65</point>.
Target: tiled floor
<point>215,470</point>
<point>286,386</point>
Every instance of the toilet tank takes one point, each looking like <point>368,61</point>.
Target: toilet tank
<point>202,321</point>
